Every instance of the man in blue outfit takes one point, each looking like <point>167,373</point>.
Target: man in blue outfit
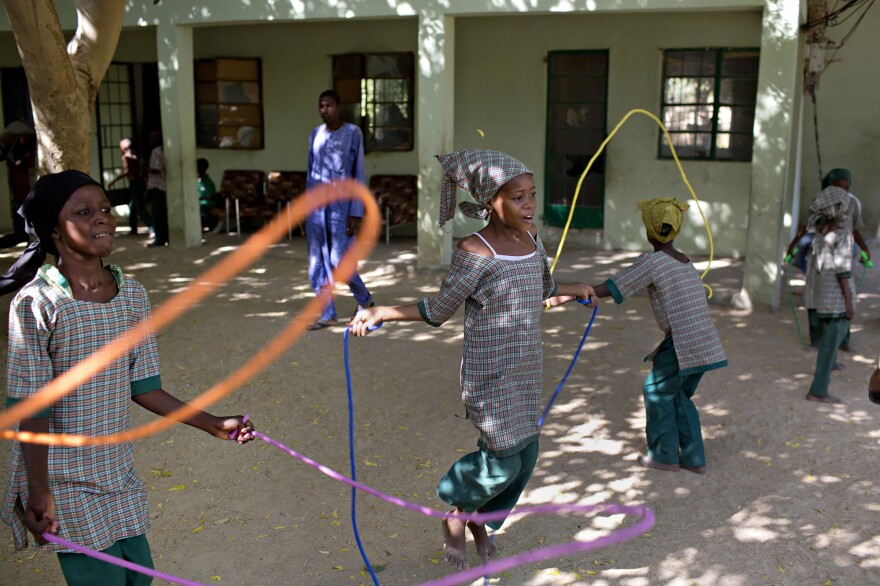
<point>336,151</point>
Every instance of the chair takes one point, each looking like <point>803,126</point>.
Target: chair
<point>281,188</point>
<point>244,188</point>
<point>398,199</point>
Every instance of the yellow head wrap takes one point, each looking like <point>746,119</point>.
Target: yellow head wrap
<point>659,211</point>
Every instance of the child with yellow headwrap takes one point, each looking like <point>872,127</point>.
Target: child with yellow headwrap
<point>690,345</point>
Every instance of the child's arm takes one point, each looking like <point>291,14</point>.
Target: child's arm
<point>162,403</point>
<point>375,316</point>
<point>566,292</point>
<point>40,514</point>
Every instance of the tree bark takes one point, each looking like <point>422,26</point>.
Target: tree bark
<point>63,79</point>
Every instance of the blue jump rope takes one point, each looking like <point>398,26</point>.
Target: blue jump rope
<point>553,398</point>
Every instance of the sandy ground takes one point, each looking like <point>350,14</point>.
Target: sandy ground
<point>792,495</point>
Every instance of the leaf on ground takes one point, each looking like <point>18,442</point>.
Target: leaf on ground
<point>367,462</point>
<point>197,529</point>
<point>434,561</point>
<point>338,568</point>
<point>178,487</point>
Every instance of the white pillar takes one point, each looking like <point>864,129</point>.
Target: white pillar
<point>434,127</point>
<point>177,94</point>
<point>774,133</point>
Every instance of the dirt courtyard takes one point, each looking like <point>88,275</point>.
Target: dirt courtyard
<point>792,496</point>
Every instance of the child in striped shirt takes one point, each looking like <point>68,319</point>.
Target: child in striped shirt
<point>690,346</point>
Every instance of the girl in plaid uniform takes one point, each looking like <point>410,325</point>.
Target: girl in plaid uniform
<point>87,494</point>
<point>501,275</point>
<point>830,287</point>
<point>690,346</point>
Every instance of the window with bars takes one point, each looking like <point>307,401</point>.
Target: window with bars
<point>229,105</point>
<point>709,103</point>
<point>113,113</point>
<point>377,95</point>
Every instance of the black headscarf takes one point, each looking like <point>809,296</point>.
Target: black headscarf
<point>40,212</point>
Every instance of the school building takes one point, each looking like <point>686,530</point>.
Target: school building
<point>544,80</point>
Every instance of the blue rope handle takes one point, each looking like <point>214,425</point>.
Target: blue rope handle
<point>571,365</point>
<point>354,525</point>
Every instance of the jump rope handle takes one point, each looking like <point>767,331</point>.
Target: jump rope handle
<point>863,258</point>
<point>583,301</point>
<point>789,256</point>
<point>234,433</point>
<point>371,328</point>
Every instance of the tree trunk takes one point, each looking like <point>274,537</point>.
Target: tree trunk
<point>63,79</point>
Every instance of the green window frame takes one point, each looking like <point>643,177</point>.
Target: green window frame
<point>708,102</point>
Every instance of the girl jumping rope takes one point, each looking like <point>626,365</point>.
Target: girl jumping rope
<point>690,347</point>
<point>501,274</point>
<point>90,494</point>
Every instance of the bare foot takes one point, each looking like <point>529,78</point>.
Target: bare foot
<point>647,462</point>
<point>454,542</point>
<point>484,545</point>
<point>826,399</point>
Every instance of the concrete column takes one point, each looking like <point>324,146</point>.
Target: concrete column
<point>775,120</point>
<point>434,123</point>
<point>177,94</point>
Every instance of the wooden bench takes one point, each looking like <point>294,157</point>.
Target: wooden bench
<point>243,189</point>
<point>398,197</point>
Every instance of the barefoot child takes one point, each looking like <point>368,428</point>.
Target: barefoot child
<point>690,346</point>
<point>831,287</point>
<point>501,275</point>
<point>89,494</point>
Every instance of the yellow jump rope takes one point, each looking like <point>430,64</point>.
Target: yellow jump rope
<point>577,190</point>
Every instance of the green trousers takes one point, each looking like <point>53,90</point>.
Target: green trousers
<point>81,570</point>
<point>672,422</point>
<point>813,317</point>
<point>831,331</point>
<point>481,482</point>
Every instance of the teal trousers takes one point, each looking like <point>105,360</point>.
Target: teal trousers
<point>672,422</point>
<point>81,570</point>
<point>481,482</point>
<point>831,332</point>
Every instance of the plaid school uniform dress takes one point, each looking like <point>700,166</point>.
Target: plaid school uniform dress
<point>690,347</point>
<point>99,498</point>
<point>831,261</point>
<point>500,372</point>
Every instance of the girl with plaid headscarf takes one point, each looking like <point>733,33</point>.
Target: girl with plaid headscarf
<point>501,274</point>
<point>91,494</point>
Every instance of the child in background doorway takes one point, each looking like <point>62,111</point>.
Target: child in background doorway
<point>89,494</point>
<point>501,275</point>
<point>690,346</point>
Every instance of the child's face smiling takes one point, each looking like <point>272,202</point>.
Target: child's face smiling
<point>514,204</point>
<point>85,225</point>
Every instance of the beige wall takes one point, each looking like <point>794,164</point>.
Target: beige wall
<point>296,69</point>
<point>849,125</point>
<point>504,92</point>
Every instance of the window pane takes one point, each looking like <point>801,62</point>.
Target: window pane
<point>238,69</point>
<point>739,90</point>
<point>690,63</point>
<point>740,63</point>
<point>688,118</point>
<point>390,65</point>
<point>740,119</point>
<point>575,141</point>
<point>348,66</point>
<point>733,147</point>
<point>238,92</point>
<point>688,145</point>
<point>689,90</point>
<point>239,115</point>
<point>389,139</point>
<point>578,64</point>
<point>577,89</point>
<point>577,116</point>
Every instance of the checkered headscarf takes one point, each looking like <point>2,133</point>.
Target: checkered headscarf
<point>831,203</point>
<point>481,173</point>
